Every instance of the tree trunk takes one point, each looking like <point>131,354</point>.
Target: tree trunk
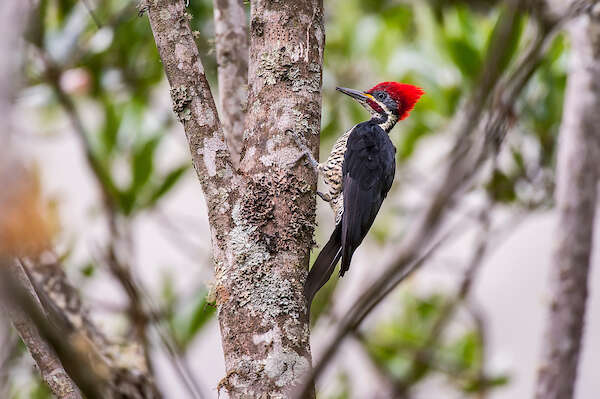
<point>262,217</point>
<point>578,169</point>
<point>261,306</point>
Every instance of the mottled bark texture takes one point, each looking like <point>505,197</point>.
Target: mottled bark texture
<point>262,216</point>
<point>576,195</point>
<point>231,42</point>
<point>267,344</point>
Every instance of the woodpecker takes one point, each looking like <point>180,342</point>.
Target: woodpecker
<point>359,173</point>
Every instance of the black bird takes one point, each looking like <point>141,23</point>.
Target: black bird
<point>359,173</point>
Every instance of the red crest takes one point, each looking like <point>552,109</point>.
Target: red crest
<point>405,95</point>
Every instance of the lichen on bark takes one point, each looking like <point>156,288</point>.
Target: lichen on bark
<point>262,216</point>
<point>265,336</point>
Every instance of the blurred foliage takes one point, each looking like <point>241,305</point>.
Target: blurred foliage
<point>342,389</point>
<point>36,390</point>
<point>115,71</point>
<point>403,347</point>
<point>185,316</point>
<point>113,74</point>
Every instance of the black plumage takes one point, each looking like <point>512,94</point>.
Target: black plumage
<point>367,175</point>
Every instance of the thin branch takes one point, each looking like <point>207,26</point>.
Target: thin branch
<point>231,42</point>
<point>49,365</point>
<point>72,351</point>
<point>140,317</point>
<point>193,102</point>
<point>119,268</point>
<point>423,357</point>
<point>125,363</point>
<point>362,307</point>
<point>92,14</point>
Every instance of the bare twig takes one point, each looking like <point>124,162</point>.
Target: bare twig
<point>363,306</point>
<point>49,365</point>
<point>118,267</point>
<point>125,363</point>
<point>422,358</point>
<point>92,14</point>
<point>92,380</point>
<point>16,200</point>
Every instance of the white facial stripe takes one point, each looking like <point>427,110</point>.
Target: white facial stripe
<point>386,121</point>
<point>390,118</point>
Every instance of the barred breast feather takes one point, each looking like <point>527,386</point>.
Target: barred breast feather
<point>331,170</point>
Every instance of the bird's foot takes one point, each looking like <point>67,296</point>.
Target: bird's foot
<point>142,7</point>
<point>324,197</point>
<point>305,151</point>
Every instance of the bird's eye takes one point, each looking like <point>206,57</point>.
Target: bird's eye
<point>381,95</point>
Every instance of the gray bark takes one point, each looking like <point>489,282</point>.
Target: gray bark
<point>267,346</point>
<point>576,195</point>
<point>262,217</point>
<point>232,58</point>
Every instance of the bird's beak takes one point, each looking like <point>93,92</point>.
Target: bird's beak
<point>361,96</point>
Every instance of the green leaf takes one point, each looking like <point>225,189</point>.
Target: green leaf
<point>142,165</point>
<point>502,188</point>
<point>481,385</point>
<point>465,56</point>
<point>168,182</point>
<point>126,201</point>
<point>88,270</point>
<point>110,128</point>
<point>190,321</point>
<point>513,38</point>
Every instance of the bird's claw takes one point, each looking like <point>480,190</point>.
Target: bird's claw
<point>305,151</point>
<point>142,7</point>
<point>324,197</point>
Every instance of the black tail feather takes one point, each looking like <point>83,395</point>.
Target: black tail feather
<point>325,264</point>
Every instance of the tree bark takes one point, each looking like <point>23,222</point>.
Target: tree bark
<point>232,58</point>
<point>266,344</point>
<point>576,195</point>
<point>262,217</point>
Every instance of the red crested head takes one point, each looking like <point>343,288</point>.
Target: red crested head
<point>404,95</point>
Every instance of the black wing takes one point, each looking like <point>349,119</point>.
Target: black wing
<point>368,173</point>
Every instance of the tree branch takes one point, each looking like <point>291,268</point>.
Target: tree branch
<point>18,204</point>
<point>53,327</point>
<point>193,103</point>
<point>49,365</point>
<point>259,285</point>
<point>231,42</point>
<point>125,363</point>
<point>576,193</point>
